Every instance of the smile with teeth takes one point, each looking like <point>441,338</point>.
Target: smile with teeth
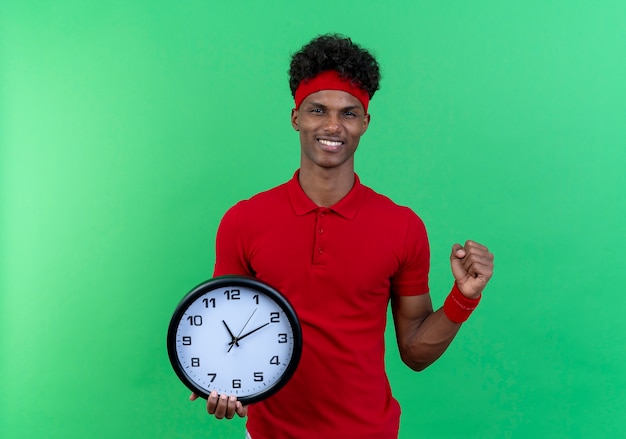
<point>332,144</point>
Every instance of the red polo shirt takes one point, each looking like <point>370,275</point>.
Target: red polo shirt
<point>338,266</point>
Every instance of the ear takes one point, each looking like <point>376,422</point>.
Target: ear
<point>294,119</point>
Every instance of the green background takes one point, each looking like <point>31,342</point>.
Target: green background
<point>128,128</point>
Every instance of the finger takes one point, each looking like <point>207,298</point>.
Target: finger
<point>242,410</point>
<point>211,402</point>
<point>469,244</point>
<point>478,266</point>
<point>479,257</point>
<point>473,248</point>
<point>232,407</point>
<point>478,271</point>
<point>193,397</point>
<point>222,407</point>
<point>226,407</point>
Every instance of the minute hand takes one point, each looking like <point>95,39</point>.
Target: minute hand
<point>251,332</point>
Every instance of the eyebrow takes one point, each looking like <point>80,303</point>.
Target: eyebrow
<point>324,107</point>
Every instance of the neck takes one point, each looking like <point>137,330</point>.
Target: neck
<point>325,187</point>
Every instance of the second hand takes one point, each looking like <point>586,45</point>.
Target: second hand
<point>236,339</point>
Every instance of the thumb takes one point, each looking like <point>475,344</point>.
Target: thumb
<point>458,252</point>
<point>456,262</point>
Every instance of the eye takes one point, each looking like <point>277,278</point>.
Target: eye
<point>350,114</point>
<point>317,110</point>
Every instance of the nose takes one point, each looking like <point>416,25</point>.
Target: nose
<point>333,124</point>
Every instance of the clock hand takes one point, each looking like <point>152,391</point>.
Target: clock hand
<point>246,324</point>
<point>248,333</point>
<point>234,339</point>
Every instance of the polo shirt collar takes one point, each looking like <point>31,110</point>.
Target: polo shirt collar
<point>302,204</point>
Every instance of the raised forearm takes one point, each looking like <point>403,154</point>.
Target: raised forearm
<point>423,335</point>
<point>424,342</point>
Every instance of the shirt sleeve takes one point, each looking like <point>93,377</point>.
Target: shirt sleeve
<point>411,279</point>
<point>230,252</point>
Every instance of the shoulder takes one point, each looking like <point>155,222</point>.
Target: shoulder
<point>381,205</point>
<point>255,213</point>
<point>262,201</point>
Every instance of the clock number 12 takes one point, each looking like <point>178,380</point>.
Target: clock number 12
<point>232,294</point>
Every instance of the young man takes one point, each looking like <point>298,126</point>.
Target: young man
<point>340,252</point>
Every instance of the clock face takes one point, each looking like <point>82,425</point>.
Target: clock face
<point>234,335</point>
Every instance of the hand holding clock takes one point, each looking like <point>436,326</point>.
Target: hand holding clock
<point>223,406</point>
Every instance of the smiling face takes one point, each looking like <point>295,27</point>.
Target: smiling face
<point>331,123</point>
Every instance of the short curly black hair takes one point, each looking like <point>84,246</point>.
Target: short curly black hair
<point>335,52</point>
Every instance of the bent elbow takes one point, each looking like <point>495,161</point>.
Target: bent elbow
<point>415,364</point>
<point>419,367</point>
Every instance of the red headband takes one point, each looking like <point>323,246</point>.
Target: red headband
<point>330,80</point>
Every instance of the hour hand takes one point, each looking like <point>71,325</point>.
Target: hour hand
<point>234,340</point>
<point>248,333</point>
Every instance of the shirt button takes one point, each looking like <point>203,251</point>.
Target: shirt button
<point>320,250</point>
<point>321,230</point>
